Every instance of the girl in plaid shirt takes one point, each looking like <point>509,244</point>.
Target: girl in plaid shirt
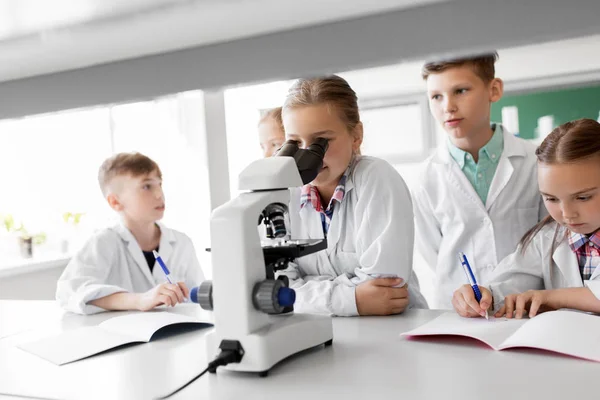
<point>359,203</point>
<point>556,263</point>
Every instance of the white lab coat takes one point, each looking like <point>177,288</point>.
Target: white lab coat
<point>112,261</point>
<point>371,233</point>
<point>450,217</point>
<point>538,269</point>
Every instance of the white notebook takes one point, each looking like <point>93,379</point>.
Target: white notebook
<point>75,344</point>
<point>567,332</point>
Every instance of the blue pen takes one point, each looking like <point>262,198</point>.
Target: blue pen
<point>164,268</point>
<point>162,265</point>
<point>472,281</point>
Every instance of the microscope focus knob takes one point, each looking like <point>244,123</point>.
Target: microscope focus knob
<point>272,296</point>
<point>203,295</point>
<point>286,297</point>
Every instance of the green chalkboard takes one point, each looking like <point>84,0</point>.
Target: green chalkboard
<point>565,105</point>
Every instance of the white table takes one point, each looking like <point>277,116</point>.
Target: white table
<point>367,360</point>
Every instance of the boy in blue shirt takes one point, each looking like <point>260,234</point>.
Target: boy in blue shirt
<point>479,189</point>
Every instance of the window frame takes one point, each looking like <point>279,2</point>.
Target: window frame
<point>427,123</point>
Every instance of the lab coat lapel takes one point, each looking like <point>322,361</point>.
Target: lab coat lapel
<point>335,228</point>
<point>456,177</point>
<point>503,173</point>
<point>460,180</point>
<point>136,252</point>
<point>567,263</point>
<point>312,221</point>
<point>165,248</point>
<point>513,148</point>
<point>333,235</point>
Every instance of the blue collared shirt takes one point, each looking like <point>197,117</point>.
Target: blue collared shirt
<point>480,173</point>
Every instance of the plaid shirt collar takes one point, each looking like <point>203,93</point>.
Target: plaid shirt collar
<point>578,240</point>
<point>310,195</point>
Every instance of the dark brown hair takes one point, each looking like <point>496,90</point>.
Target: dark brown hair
<point>483,66</point>
<point>135,164</point>
<point>569,143</point>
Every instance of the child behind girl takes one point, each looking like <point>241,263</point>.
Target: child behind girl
<point>270,132</point>
<point>556,263</point>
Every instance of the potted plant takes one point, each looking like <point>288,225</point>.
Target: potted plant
<point>26,241</point>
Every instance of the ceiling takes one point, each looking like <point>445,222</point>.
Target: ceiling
<point>44,36</point>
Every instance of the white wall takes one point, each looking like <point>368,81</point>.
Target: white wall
<point>35,285</point>
<point>532,62</point>
<point>441,29</point>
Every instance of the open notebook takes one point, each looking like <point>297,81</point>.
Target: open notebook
<point>75,344</point>
<point>567,332</point>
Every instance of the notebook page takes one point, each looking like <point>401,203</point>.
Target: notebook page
<point>567,332</point>
<point>75,344</point>
<point>491,332</point>
<point>144,324</point>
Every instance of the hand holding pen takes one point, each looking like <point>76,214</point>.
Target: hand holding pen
<point>471,300</point>
<point>167,293</point>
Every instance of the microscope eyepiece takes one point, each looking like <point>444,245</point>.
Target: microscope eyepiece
<point>289,148</point>
<point>319,147</point>
<point>309,161</point>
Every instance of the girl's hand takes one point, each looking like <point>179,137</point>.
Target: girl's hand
<point>380,297</point>
<point>466,305</point>
<point>532,301</point>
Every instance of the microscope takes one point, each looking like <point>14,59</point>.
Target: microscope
<point>252,308</point>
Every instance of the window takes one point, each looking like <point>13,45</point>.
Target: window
<point>393,133</point>
<point>49,167</point>
<point>50,164</point>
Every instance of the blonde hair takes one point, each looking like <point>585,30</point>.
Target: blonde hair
<point>330,90</point>
<point>274,114</point>
<point>135,164</point>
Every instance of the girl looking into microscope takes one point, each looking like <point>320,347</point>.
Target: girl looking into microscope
<point>360,204</point>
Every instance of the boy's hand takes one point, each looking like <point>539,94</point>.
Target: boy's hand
<point>168,294</point>
<point>466,305</point>
<point>533,301</point>
<point>379,297</point>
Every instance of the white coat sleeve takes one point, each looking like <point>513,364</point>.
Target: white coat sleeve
<point>385,225</point>
<point>428,233</point>
<point>322,293</point>
<point>84,279</point>
<point>518,273</point>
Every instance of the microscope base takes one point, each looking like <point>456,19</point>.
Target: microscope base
<point>287,335</point>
